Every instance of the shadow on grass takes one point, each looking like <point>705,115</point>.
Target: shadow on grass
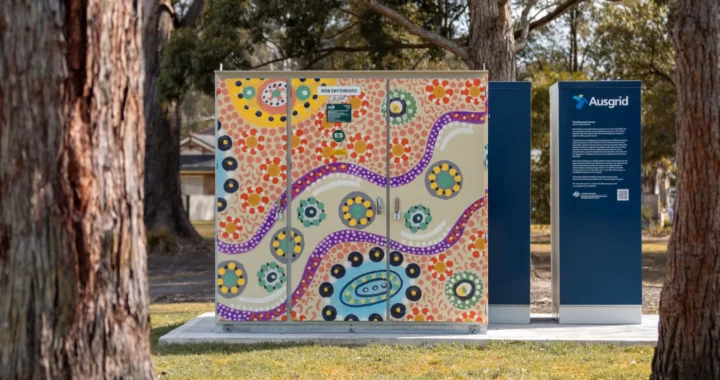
<point>208,348</point>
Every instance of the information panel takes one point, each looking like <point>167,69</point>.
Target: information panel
<point>596,201</point>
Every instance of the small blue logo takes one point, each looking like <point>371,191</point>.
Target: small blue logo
<point>580,101</point>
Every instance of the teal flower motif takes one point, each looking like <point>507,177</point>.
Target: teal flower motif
<point>311,212</point>
<point>403,107</point>
<point>464,290</point>
<point>417,218</point>
<point>271,277</point>
<point>249,92</point>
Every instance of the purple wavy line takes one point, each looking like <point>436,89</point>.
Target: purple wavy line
<point>345,236</point>
<point>314,175</point>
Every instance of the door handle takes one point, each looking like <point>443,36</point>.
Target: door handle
<point>397,208</point>
<point>278,211</point>
<point>379,205</point>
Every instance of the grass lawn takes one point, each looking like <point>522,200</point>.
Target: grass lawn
<point>496,360</point>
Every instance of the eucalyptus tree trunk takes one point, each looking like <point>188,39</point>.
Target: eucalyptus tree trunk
<point>491,45</point>
<point>74,297</point>
<point>689,343</point>
<point>164,211</point>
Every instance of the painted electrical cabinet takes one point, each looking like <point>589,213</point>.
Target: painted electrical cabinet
<point>352,197</point>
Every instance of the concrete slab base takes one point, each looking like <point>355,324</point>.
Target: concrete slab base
<point>204,330</point>
<point>509,314</point>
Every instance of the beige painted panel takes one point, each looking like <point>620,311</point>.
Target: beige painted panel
<point>442,214</point>
<point>338,212</point>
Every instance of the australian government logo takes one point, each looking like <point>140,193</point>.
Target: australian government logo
<point>582,101</point>
<point>588,195</point>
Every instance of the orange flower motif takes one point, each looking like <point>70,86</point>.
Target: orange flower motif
<point>323,125</point>
<point>474,92</point>
<point>295,316</point>
<point>439,92</point>
<point>469,316</point>
<point>440,267</point>
<point>230,228</point>
<point>420,315</point>
<point>253,201</point>
<point>360,147</point>
<point>297,142</point>
<point>273,170</point>
<point>400,149</point>
<point>477,244</point>
<point>359,105</point>
<point>251,142</point>
<point>325,153</point>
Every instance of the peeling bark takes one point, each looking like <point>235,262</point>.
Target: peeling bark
<point>73,274</point>
<point>491,43</point>
<point>689,343</point>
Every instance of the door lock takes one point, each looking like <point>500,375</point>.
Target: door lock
<point>379,205</point>
<point>278,211</point>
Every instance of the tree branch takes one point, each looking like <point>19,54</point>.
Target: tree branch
<point>552,15</point>
<point>192,15</point>
<point>656,70</point>
<point>347,49</point>
<point>165,6</point>
<point>408,25</point>
<point>525,26</point>
<point>317,59</point>
<point>341,31</point>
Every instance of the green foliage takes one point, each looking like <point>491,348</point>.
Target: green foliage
<point>540,135</point>
<point>192,54</point>
<point>633,43</point>
<point>318,34</point>
<point>599,41</point>
<point>647,216</point>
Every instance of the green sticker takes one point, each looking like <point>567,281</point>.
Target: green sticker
<point>339,135</point>
<point>339,113</point>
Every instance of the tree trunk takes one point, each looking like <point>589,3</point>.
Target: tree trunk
<point>689,343</point>
<point>491,44</point>
<point>72,242</point>
<point>164,211</point>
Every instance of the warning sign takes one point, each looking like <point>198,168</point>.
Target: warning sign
<point>339,113</point>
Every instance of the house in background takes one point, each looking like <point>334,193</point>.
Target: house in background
<point>197,174</point>
<point>197,163</point>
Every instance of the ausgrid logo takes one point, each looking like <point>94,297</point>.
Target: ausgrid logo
<point>580,101</point>
<point>610,103</point>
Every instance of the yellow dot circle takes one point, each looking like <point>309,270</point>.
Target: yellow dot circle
<point>273,170</point>
<point>254,199</point>
<point>360,146</point>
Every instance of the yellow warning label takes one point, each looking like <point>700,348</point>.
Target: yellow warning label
<point>339,152</point>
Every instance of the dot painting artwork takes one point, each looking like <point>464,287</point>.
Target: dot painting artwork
<point>305,228</point>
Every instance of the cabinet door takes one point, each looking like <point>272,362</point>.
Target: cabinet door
<point>339,179</point>
<point>438,189</point>
<point>251,182</point>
